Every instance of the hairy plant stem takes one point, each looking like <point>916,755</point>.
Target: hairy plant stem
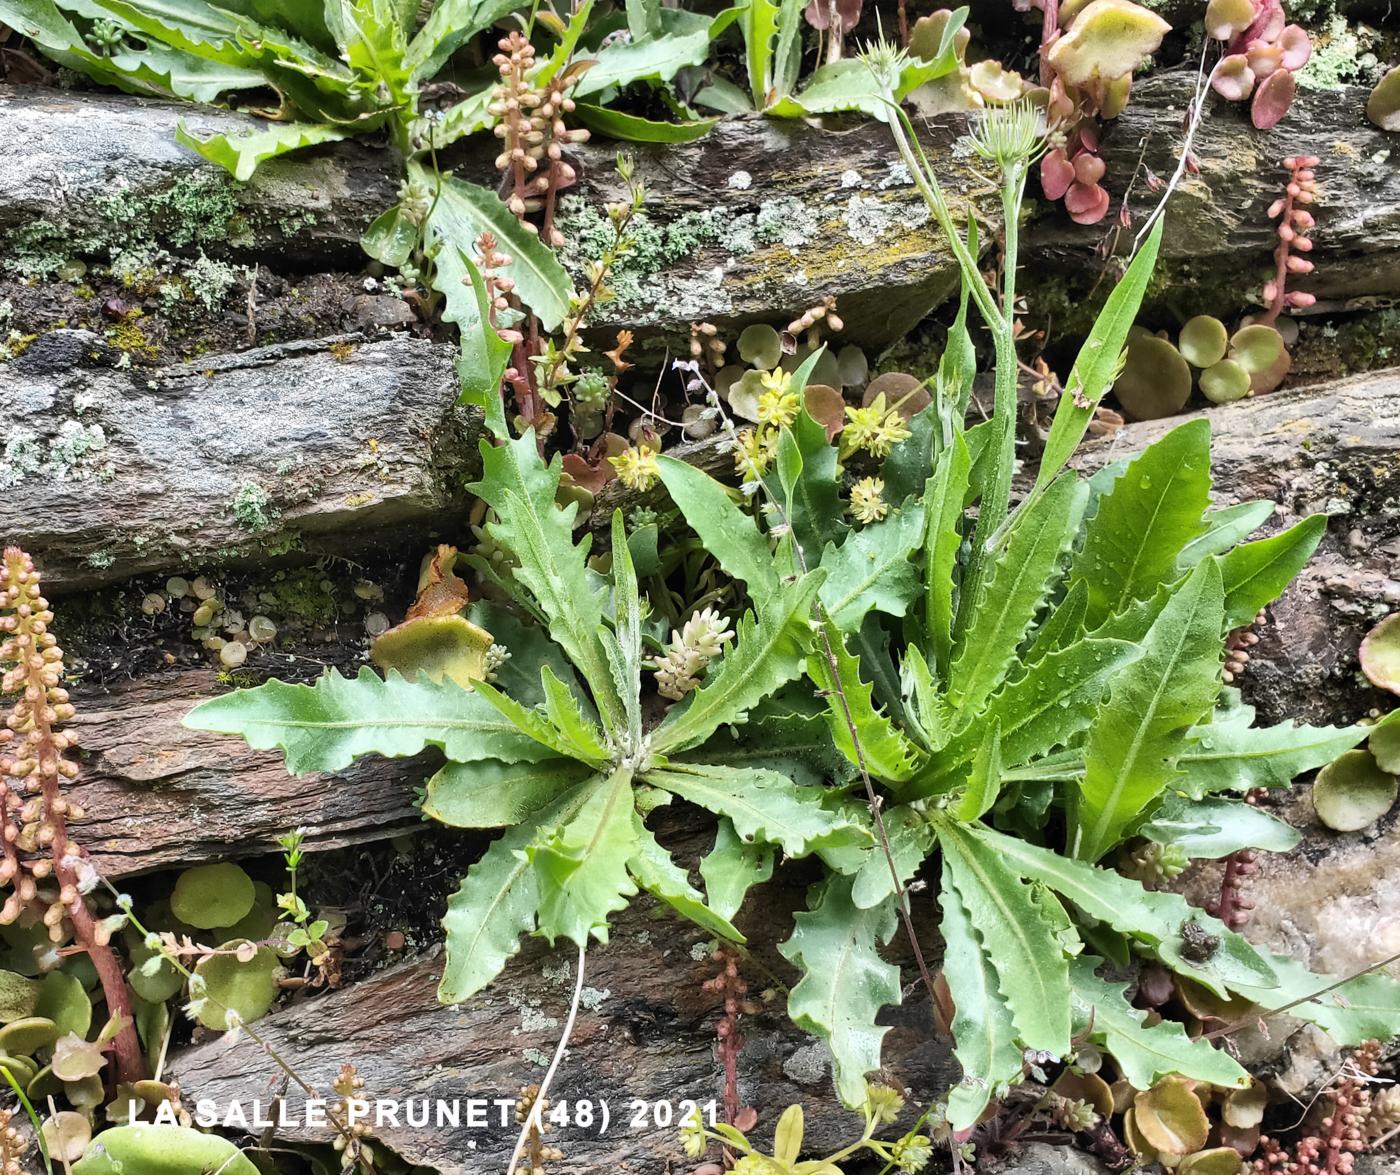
<point>989,530</point>
<point>532,1119</point>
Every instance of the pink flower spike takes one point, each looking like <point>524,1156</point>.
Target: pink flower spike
<point>1299,265</point>
<point>1056,174</point>
<point>1301,298</point>
<point>1272,100</point>
<point>1297,47</point>
<point>1276,207</point>
<point>1086,203</point>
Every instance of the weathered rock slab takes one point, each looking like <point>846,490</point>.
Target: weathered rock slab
<point>314,446</point>
<point>92,169</point>
<point>158,795</point>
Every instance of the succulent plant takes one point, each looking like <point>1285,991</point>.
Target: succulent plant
<point>1352,792</point>
<point>1088,55</point>
<point>1383,106</point>
<point>161,1150</point>
<point>1262,54</point>
<point>436,639</point>
<point>1380,654</point>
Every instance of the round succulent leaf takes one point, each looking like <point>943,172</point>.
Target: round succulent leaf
<point>1208,1007</point>
<point>1243,1108</point>
<point>86,1094</point>
<point>67,1135</point>
<point>161,1150</point>
<point>1137,1142</point>
<point>42,1085</point>
<point>725,378</point>
<point>1380,654</point>
<point>826,406</point>
<point>75,1058</point>
<point>1107,39</point>
<point>761,346</point>
<point>152,976</point>
<point>19,996</point>
<point>1232,78</point>
<point>1352,792</point>
<point>1272,99</point>
<point>1383,106</point>
<point>1116,92</point>
<point>24,1038</point>
<point>744,394</point>
<point>22,1069</point>
<point>1219,1160</point>
<point>212,896</point>
<point>1171,1118</point>
<point>1155,380</point>
<point>64,1000</point>
<point>248,988</point>
<point>1086,1087</point>
<point>995,83</point>
<point>449,648</point>
<point>1203,340</point>
<point>22,948</point>
<point>1256,347</point>
<point>927,36</point>
<point>1225,382</point>
<point>1226,19</point>
<point>853,366</point>
<point>257,924</point>
<point>1384,745</point>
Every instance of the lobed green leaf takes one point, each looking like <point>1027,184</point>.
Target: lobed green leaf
<point>326,726</point>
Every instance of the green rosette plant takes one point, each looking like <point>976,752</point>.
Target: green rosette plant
<point>1029,688</point>
<point>558,753</point>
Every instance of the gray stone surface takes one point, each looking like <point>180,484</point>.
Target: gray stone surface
<point>93,167</point>
<point>306,446</point>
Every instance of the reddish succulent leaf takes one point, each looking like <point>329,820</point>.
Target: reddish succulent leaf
<point>1232,78</point>
<point>1056,174</point>
<point>1297,47</point>
<point>1272,99</point>
<point>1086,203</point>
<point>591,477</point>
<point>1088,168</point>
<point>818,14</point>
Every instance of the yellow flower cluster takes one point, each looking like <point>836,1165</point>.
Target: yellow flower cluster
<point>876,429</point>
<point>637,467</point>
<point>867,501</point>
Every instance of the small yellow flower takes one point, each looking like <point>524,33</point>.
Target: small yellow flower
<point>883,1104</point>
<point>753,453</point>
<point>776,380</point>
<point>867,504</point>
<point>637,468</point>
<point>876,428</point>
<point>778,405</point>
<point>693,1140</point>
